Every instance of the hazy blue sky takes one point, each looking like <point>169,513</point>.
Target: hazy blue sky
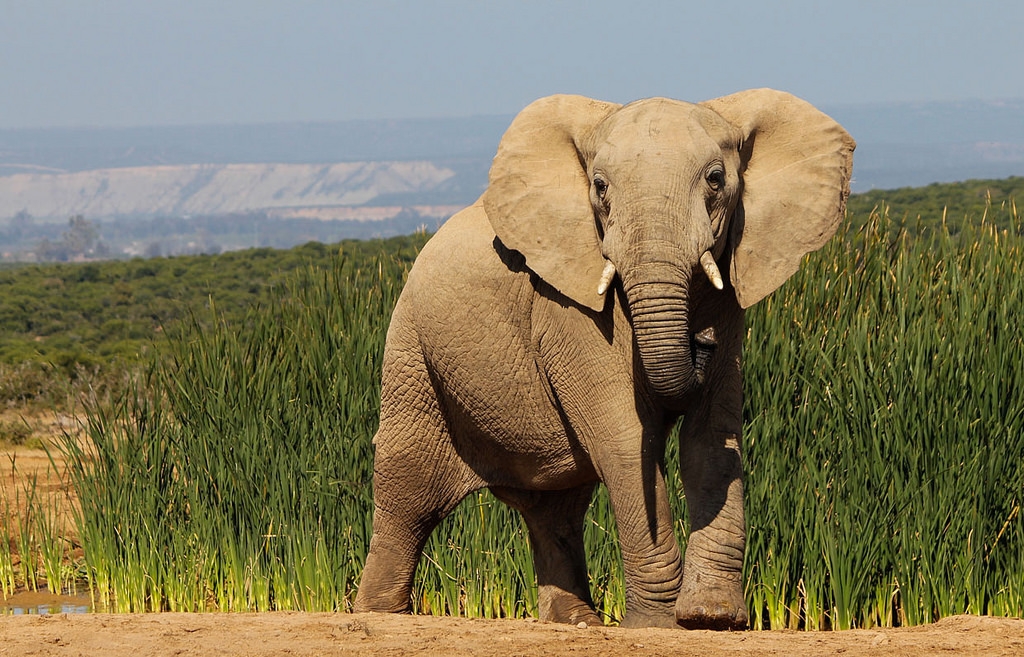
<point>136,62</point>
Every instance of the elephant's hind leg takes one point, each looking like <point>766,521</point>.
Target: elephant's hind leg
<point>418,479</point>
<point>555,521</point>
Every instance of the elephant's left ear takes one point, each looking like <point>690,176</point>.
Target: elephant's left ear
<point>797,179</point>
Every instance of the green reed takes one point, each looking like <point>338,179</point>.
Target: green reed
<point>8,583</point>
<point>34,553</point>
<point>237,476</point>
<point>883,446</point>
<point>885,435</point>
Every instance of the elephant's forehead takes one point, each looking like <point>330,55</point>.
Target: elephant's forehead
<point>663,134</point>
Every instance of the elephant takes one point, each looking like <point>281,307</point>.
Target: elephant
<point>550,336</point>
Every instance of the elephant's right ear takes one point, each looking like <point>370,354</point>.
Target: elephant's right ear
<point>538,200</point>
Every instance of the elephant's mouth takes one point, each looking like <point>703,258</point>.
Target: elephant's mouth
<point>702,345</point>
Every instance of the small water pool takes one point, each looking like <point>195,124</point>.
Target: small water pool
<point>44,602</point>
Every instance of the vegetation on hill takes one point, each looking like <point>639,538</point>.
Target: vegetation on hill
<point>85,323</point>
<point>992,199</point>
<point>59,322</point>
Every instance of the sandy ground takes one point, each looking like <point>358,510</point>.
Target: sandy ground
<point>20,465</point>
<point>286,633</point>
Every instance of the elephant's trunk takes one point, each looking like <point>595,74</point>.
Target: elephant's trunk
<point>673,359</point>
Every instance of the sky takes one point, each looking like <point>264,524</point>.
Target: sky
<point>116,63</point>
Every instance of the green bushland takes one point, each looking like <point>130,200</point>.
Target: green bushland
<point>68,329</point>
<point>884,444</point>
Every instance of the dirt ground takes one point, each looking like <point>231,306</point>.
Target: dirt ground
<point>379,634</point>
<point>26,473</point>
<point>18,465</point>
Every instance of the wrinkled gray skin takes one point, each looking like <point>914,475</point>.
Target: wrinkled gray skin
<point>506,369</point>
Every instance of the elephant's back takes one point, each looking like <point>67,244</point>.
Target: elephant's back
<point>459,270</point>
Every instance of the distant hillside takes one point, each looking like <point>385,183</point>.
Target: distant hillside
<point>211,189</point>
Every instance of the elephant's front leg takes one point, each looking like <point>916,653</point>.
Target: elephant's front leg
<point>650,552</point>
<point>711,595</point>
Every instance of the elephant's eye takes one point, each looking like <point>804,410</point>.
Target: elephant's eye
<point>601,187</point>
<point>716,178</point>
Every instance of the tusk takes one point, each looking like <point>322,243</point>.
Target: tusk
<point>707,261</point>
<point>606,277</point>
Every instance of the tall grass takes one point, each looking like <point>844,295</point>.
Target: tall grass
<point>884,449</point>
<point>885,435</point>
<point>237,476</point>
<point>8,583</point>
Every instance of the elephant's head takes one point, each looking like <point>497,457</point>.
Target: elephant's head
<point>661,190</point>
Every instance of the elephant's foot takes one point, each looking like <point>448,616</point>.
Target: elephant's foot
<point>559,606</point>
<point>370,598</point>
<point>573,616</point>
<point>715,609</point>
<point>386,584</point>
<point>637,618</point>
